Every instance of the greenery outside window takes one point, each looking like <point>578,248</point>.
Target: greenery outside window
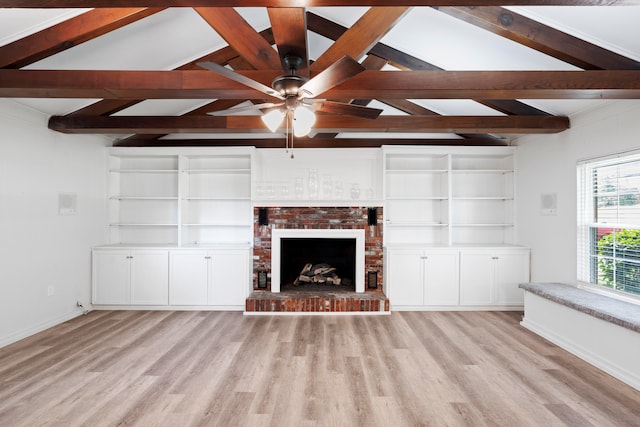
<point>609,223</point>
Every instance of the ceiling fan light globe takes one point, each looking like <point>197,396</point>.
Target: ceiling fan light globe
<point>303,117</point>
<point>273,119</point>
<point>301,130</point>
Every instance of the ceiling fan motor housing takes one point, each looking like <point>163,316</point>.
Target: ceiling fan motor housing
<point>288,85</point>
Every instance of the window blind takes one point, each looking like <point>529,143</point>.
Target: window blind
<point>609,222</point>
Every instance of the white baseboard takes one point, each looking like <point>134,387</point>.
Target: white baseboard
<point>22,334</point>
<point>457,307</point>
<point>170,307</point>
<point>589,346</point>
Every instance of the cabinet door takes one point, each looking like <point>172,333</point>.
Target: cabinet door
<point>111,277</point>
<point>150,277</point>
<point>512,268</point>
<point>404,281</point>
<point>188,284</point>
<point>229,277</point>
<point>441,277</point>
<point>476,278</point>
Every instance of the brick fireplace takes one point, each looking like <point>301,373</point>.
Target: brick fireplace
<point>319,220</point>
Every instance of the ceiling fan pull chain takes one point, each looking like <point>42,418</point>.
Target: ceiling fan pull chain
<point>292,156</point>
<point>290,132</point>
<point>286,132</point>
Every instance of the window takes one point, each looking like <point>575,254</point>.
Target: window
<point>609,223</point>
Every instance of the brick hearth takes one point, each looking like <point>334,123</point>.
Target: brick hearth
<point>372,300</point>
<point>325,301</point>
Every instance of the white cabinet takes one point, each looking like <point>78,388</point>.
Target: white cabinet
<point>512,268</point>
<point>189,281</point>
<point>136,277</point>
<point>447,278</point>
<point>441,277</point>
<point>491,277</point>
<point>229,277</point>
<point>422,277</point>
<point>217,277</point>
<point>404,285</point>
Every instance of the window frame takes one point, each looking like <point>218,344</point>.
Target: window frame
<point>587,222</point>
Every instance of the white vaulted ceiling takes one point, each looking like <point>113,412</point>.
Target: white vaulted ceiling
<point>179,35</point>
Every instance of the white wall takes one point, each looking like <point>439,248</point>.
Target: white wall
<point>38,247</point>
<point>547,164</point>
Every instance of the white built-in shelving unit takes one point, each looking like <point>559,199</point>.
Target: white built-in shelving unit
<point>180,199</point>
<point>216,199</point>
<point>180,230</point>
<point>181,221</point>
<point>449,228</point>
<point>447,198</point>
<point>143,199</point>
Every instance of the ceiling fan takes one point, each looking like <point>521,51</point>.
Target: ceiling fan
<point>298,94</point>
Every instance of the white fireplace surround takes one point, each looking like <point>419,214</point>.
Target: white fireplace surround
<point>278,234</point>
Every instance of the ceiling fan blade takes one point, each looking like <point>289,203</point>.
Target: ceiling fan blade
<point>255,107</point>
<point>289,28</point>
<point>338,72</point>
<point>224,71</point>
<point>342,108</point>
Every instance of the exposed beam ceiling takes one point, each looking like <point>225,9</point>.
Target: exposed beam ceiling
<point>260,56</point>
<point>303,3</point>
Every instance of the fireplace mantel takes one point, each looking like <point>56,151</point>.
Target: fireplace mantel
<point>283,233</point>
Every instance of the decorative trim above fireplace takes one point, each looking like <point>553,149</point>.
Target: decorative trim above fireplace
<point>278,234</point>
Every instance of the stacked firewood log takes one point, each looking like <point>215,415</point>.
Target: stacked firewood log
<point>320,273</point>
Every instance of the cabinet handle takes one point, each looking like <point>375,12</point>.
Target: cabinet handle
<point>424,257</point>
<point>495,257</point>
<point>207,257</point>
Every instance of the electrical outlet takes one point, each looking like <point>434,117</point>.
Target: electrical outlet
<point>50,290</point>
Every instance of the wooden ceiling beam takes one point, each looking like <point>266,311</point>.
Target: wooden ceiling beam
<point>289,27</point>
<point>307,142</point>
<point>249,44</point>
<point>306,3</point>
<point>405,61</point>
<point>542,38</point>
<point>324,123</point>
<point>68,34</point>
<point>362,36</point>
<point>221,56</point>
<point>369,84</point>
<point>217,105</point>
<point>333,31</point>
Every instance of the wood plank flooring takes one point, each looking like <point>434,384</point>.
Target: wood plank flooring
<point>163,368</point>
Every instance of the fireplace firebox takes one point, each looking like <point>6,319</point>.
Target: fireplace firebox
<point>293,249</point>
<point>317,264</point>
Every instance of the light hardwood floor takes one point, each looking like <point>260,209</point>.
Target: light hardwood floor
<point>165,368</point>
